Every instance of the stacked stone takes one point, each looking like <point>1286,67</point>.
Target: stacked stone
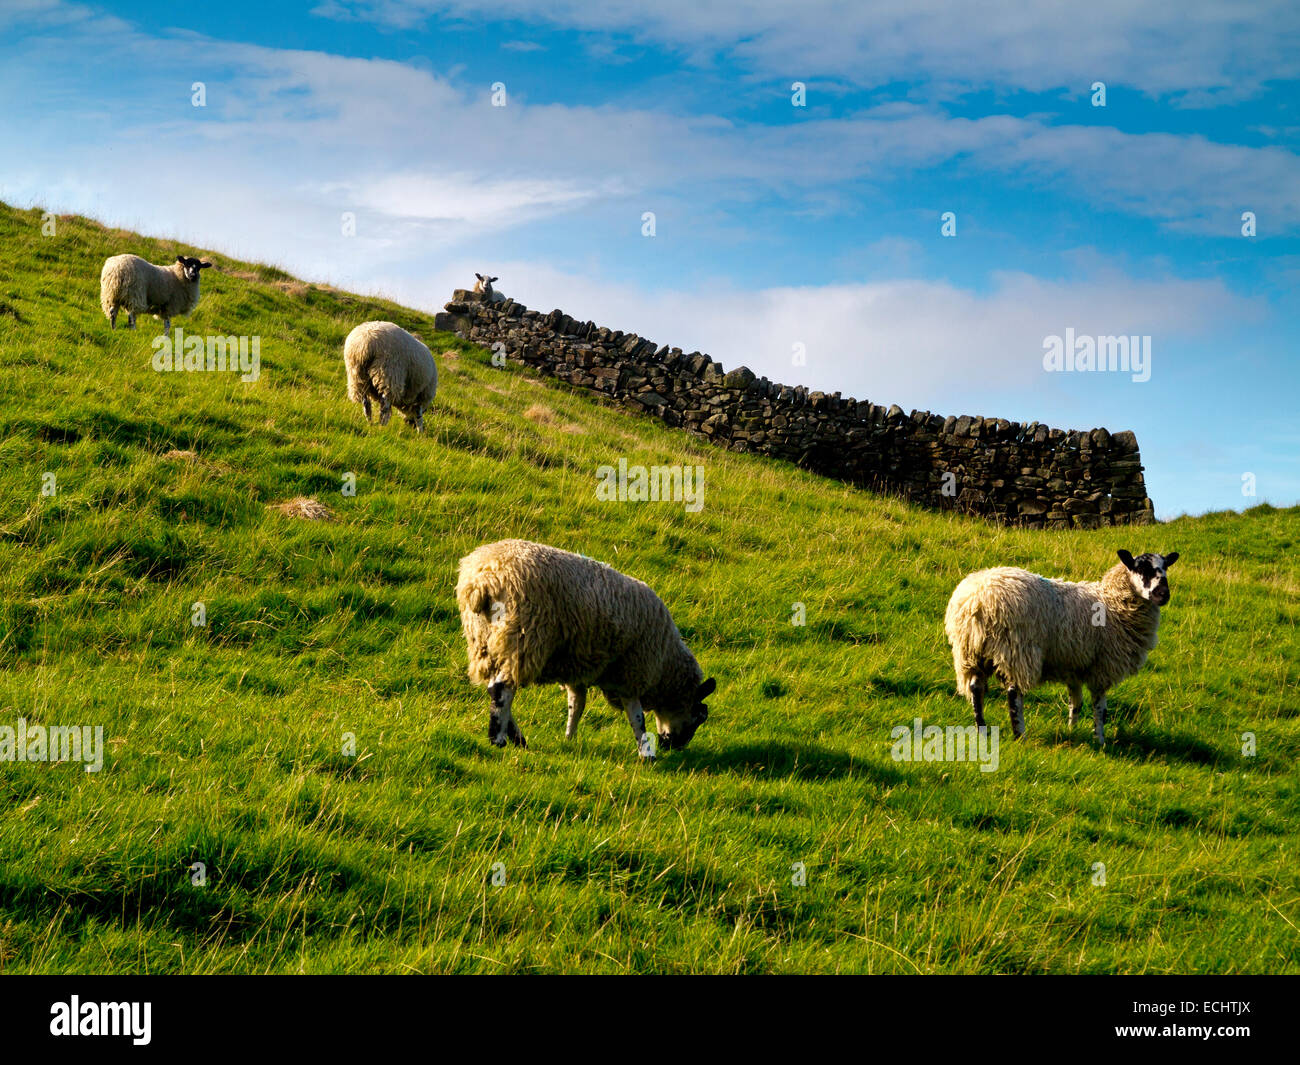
<point>1028,475</point>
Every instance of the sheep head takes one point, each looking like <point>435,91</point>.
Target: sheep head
<point>678,724</point>
<point>1147,574</point>
<point>190,267</point>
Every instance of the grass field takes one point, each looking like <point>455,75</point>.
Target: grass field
<point>224,742</point>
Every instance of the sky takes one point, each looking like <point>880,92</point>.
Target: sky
<point>798,162</point>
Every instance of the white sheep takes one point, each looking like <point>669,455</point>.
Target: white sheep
<point>129,283</point>
<point>386,363</point>
<point>483,286</point>
<point>1029,629</point>
<point>534,614</point>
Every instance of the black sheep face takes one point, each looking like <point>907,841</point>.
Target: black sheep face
<point>1147,573</point>
<point>676,730</point>
<point>191,266</point>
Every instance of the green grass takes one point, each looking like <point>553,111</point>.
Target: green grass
<point>224,742</point>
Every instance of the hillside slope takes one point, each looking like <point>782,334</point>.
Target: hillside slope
<point>224,741</point>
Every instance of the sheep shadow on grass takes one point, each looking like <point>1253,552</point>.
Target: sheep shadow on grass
<point>803,761</point>
<point>1139,745</point>
<point>1176,747</point>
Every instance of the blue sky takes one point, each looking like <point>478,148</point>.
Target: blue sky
<point>775,225</point>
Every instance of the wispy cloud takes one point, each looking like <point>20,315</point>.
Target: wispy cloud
<point>310,120</point>
<point>1203,51</point>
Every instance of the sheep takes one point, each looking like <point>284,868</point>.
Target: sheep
<point>1029,629</point>
<point>387,363</point>
<point>534,614</point>
<point>129,283</point>
<point>483,286</point>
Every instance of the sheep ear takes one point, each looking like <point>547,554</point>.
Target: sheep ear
<point>706,689</point>
<point>1126,558</point>
<point>204,265</point>
<point>479,276</point>
<point>1170,559</point>
<point>495,279</point>
<point>181,259</point>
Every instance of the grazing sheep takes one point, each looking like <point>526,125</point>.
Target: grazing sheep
<point>386,363</point>
<point>483,286</point>
<point>129,283</point>
<point>534,614</point>
<point>1029,629</point>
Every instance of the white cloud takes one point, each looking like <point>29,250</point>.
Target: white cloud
<point>316,131</point>
<point>464,198</point>
<point>1200,50</point>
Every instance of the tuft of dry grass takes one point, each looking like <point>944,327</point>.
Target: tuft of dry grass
<point>303,507</point>
<point>543,415</point>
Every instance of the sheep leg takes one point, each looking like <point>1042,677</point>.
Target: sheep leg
<point>1016,701</point>
<point>112,318</point>
<point>978,686</point>
<point>636,718</point>
<point>1099,717</point>
<point>1076,703</point>
<point>501,726</point>
<point>385,409</point>
<point>577,704</point>
<point>419,420</point>
<point>167,327</point>
<point>365,403</point>
<point>130,319</point>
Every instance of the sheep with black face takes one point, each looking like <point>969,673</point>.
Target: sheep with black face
<point>129,283</point>
<point>534,614</point>
<point>1028,629</point>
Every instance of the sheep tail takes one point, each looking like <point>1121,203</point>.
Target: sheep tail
<point>358,381</point>
<point>490,650</point>
<point>967,639</point>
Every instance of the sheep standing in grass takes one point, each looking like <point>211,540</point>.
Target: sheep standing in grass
<point>483,286</point>
<point>1029,629</point>
<point>386,363</point>
<point>534,614</point>
<point>129,283</point>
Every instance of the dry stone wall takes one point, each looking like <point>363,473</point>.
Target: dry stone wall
<point>1029,475</point>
